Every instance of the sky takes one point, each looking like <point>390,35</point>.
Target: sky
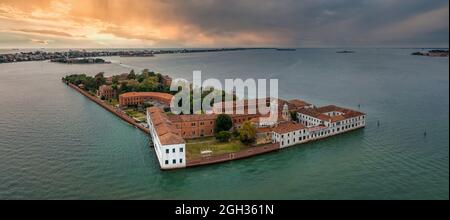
<point>223,23</point>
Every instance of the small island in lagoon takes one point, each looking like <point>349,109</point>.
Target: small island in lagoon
<point>80,61</point>
<point>286,49</point>
<point>189,140</point>
<point>432,53</point>
<point>346,51</point>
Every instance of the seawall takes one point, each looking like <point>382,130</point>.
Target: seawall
<point>233,156</point>
<point>109,108</point>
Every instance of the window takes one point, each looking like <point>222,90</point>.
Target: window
<point>181,150</point>
<point>174,161</point>
<point>167,162</point>
<point>167,151</point>
<point>181,160</point>
<point>173,150</point>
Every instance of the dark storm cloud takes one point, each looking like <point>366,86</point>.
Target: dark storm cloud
<point>319,22</point>
<point>217,23</point>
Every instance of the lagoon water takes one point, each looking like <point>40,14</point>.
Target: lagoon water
<point>56,144</point>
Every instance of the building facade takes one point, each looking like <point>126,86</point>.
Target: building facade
<point>139,98</point>
<point>169,146</point>
<point>106,92</point>
<point>318,123</point>
<point>170,131</point>
<point>166,80</point>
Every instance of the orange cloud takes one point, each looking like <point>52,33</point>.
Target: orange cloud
<point>134,23</point>
<point>44,42</point>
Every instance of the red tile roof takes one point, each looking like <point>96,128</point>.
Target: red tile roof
<point>320,113</point>
<point>297,103</point>
<point>148,94</point>
<point>286,127</point>
<point>164,127</point>
<point>192,118</point>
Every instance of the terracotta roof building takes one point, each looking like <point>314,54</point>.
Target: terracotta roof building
<point>170,147</point>
<point>106,92</point>
<point>139,98</point>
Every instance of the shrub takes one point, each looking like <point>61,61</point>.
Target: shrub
<point>223,136</point>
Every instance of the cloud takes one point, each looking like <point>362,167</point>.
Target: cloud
<point>424,23</point>
<point>44,32</point>
<point>217,23</point>
<point>37,41</point>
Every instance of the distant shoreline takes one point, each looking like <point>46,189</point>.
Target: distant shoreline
<point>432,53</point>
<point>73,54</point>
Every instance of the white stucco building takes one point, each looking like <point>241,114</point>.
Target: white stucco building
<point>317,123</point>
<point>169,146</point>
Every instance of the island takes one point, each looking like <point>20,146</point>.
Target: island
<point>189,140</point>
<point>286,49</point>
<point>80,61</point>
<point>346,51</point>
<point>432,53</point>
<point>71,54</point>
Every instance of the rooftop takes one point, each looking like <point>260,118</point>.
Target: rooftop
<point>297,103</point>
<point>148,94</point>
<point>164,127</point>
<point>286,127</point>
<point>320,113</point>
<point>191,118</point>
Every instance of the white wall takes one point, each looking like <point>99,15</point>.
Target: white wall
<point>173,156</point>
<point>303,136</point>
<point>166,159</point>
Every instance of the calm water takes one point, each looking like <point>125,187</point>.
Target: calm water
<point>56,144</point>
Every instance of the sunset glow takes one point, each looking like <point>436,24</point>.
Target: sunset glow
<point>211,23</point>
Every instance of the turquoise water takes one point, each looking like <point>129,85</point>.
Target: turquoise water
<point>56,144</point>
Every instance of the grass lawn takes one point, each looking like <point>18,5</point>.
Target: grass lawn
<point>136,114</point>
<point>196,146</point>
<point>112,102</point>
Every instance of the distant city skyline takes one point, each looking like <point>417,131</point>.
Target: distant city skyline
<point>231,23</point>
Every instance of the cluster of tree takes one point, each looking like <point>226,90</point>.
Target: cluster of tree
<point>90,83</point>
<point>147,81</point>
<point>216,94</point>
<point>247,132</point>
<point>222,128</point>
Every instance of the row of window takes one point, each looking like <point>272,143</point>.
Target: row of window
<point>174,150</point>
<point>193,124</point>
<point>318,134</point>
<point>202,133</point>
<point>173,161</point>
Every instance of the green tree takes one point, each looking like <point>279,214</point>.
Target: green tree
<point>223,123</point>
<point>90,83</point>
<point>99,80</point>
<point>223,136</point>
<point>159,78</point>
<point>132,75</point>
<point>294,116</point>
<point>115,79</point>
<point>247,133</point>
